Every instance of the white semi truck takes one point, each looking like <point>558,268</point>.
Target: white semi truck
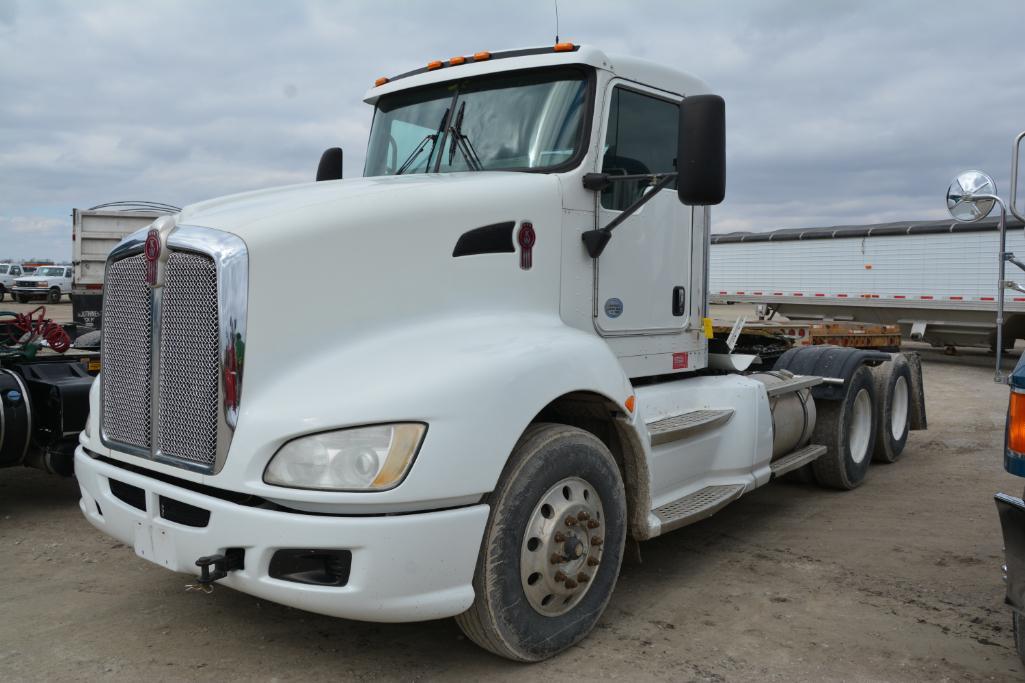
<point>505,367</point>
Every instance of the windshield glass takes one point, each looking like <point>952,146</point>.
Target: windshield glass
<point>528,120</point>
<point>49,272</point>
<point>4,268</point>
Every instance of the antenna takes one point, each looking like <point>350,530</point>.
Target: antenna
<point>556,22</point>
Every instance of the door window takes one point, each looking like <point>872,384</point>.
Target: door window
<point>641,138</point>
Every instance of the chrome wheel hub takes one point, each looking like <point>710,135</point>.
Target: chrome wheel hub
<point>562,547</point>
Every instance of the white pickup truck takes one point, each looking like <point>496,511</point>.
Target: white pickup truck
<point>506,369</point>
<point>49,282</point>
<point>8,273</point>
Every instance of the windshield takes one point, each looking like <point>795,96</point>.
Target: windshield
<point>4,268</point>
<point>49,272</point>
<point>522,121</point>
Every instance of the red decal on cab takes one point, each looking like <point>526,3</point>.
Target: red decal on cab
<point>679,361</point>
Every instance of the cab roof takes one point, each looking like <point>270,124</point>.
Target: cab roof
<point>630,68</point>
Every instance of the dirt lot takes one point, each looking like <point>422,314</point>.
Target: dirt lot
<point>898,580</point>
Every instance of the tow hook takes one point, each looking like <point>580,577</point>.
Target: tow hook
<point>231,560</point>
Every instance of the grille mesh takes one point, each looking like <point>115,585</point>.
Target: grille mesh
<point>189,364</point>
<point>126,353</point>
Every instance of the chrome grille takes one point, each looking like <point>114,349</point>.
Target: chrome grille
<point>189,366</point>
<point>127,371</point>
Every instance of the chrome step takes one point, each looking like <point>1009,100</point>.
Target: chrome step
<point>678,426</point>
<point>798,458</point>
<point>697,506</point>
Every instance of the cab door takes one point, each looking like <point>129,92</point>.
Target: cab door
<point>642,279</point>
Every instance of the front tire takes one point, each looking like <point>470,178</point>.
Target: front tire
<point>553,546</point>
<point>53,296</point>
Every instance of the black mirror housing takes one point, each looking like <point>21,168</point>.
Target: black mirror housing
<point>701,157</point>
<point>330,167</point>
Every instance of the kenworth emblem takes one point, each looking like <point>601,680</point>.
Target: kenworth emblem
<point>152,254</point>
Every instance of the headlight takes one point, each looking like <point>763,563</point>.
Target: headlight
<point>361,459</point>
<point>42,284</point>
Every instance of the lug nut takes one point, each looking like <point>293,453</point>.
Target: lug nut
<point>583,516</point>
<point>593,524</point>
<point>559,576</point>
<point>571,521</point>
<point>596,540</point>
<point>592,562</point>
<point>559,537</point>
<point>556,558</point>
<point>583,578</point>
<point>571,584</point>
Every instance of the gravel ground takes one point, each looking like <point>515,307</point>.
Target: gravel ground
<point>898,580</point>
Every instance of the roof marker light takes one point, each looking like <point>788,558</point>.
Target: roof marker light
<point>381,81</point>
<point>482,56</point>
<point>564,47</point>
<point>456,61</point>
<point>436,64</point>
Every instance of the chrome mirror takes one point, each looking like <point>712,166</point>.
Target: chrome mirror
<point>970,197</point>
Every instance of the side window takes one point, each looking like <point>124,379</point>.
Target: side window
<point>641,138</point>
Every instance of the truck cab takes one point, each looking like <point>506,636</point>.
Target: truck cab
<point>505,371</point>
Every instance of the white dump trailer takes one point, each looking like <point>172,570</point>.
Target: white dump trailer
<point>94,233</point>
<point>936,279</point>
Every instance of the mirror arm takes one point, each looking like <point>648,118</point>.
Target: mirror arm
<point>595,240</point>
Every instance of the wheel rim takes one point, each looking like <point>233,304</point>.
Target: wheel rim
<point>861,426</point>
<point>899,408</point>
<point>562,547</point>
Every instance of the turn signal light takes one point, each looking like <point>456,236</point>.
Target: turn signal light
<point>481,56</point>
<point>456,61</point>
<point>380,81</point>
<point>564,47</point>
<point>631,402</point>
<point>436,64</point>
<point>1016,422</point>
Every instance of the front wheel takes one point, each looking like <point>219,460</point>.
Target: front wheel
<point>54,296</point>
<point>552,548</point>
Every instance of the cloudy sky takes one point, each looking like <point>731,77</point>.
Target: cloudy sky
<point>838,112</point>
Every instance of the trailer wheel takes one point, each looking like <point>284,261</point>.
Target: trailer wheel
<point>847,429</point>
<point>893,408</point>
<point>54,295</point>
<point>552,548</point>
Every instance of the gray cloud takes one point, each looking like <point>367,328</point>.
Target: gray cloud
<point>838,112</point>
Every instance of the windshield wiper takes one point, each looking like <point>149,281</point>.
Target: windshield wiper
<point>432,138</point>
<point>463,142</point>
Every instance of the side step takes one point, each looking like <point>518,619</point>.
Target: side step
<point>798,458</point>
<point>697,506</point>
<point>678,426</point>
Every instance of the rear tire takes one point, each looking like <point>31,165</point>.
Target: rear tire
<point>893,408</point>
<point>522,610</point>
<point>847,429</point>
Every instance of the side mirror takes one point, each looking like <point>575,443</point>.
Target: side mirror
<point>701,156</point>
<point>970,196</point>
<point>330,167</point>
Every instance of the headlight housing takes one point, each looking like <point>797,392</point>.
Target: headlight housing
<point>373,458</point>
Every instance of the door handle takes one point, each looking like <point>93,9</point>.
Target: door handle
<point>679,301</point>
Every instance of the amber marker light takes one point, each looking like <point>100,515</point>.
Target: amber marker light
<point>564,47</point>
<point>456,61</point>
<point>380,81</point>
<point>481,56</point>
<point>631,402</point>
<point>1016,421</point>
<point>436,64</point>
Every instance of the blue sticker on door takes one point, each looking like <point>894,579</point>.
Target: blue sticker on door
<point>613,308</point>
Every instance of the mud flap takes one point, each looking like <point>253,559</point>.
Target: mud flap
<point>916,411</point>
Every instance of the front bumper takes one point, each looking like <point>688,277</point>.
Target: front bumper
<point>34,291</point>
<point>409,567</point>
<point>1012,523</point>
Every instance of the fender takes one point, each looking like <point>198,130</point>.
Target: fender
<point>477,381</point>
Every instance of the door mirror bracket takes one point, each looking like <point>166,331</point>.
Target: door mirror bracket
<point>596,240</point>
